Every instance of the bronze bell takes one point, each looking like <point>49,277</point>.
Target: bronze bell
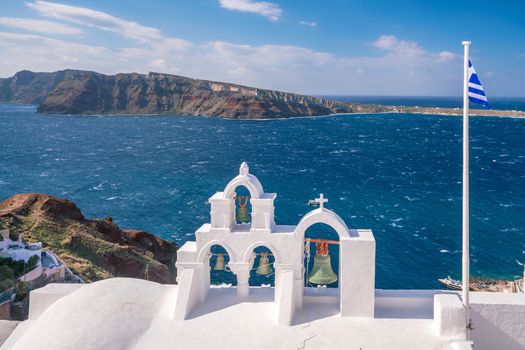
<point>264,265</point>
<point>242,215</point>
<point>242,212</point>
<point>322,272</point>
<point>219,263</point>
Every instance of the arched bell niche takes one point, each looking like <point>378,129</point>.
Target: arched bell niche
<point>243,206</point>
<point>220,273</point>
<point>322,257</point>
<point>263,268</point>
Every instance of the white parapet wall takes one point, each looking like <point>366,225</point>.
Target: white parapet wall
<point>498,320</point>
<point>357,272</point>
<point>449,316</point>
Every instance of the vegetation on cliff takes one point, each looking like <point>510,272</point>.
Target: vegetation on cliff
<point>92,249</point>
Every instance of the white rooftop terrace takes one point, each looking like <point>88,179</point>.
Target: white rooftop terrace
<point>123,313</point>
<point>136,314</point>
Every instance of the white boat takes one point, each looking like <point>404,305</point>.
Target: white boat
<point>451,283</point>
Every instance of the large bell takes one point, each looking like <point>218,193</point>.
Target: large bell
<point>322,272</point>
<point>264,265</point>
<point>219,263</point>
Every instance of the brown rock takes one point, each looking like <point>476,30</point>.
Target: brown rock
<point>85,92</point>
<point>93,249</point>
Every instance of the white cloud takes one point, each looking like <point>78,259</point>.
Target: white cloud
<point>385,42</point>
<point>404,67</point>
<point>263,8</point>
<point>308,24</point>
<point>280,67</point>
<point>410,52</point>
<point>39,53</point>
<point>39,26</point>
<point>398,47</point>
<point>103,21</point>
<point>447,56</point>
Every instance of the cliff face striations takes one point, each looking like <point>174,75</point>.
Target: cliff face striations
<point>29,87</point>
<point>84,92</point>
<point>92,249</point>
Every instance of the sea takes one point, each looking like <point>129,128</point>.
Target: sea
<point>397,174</point>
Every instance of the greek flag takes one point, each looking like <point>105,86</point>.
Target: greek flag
<point>475,90</point>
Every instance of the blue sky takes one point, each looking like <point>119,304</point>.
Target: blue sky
<point>354,47</point>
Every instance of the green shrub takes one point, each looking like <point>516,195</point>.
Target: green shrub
<point>6,273</point>
<point>32,262</point>
<point>6,284</point>
<point>7,277</point>
<point>13,236</point>
<point>19,267</point>
<point>20,290</point>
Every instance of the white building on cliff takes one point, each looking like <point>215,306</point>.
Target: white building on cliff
<point>135,314</point>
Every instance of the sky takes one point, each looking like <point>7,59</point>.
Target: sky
<point>329,47</point>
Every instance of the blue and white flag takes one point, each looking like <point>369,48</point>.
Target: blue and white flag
<point>475,90</point>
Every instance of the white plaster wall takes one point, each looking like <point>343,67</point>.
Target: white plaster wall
<point>33,274</point>
<point>285,301</point>
<point>449,316</point>
<point>498,320</point>
<point>26,254</point>
<point>42,298</point>
<point>357,275</point>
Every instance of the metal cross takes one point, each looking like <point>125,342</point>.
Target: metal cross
<point>321,200</point>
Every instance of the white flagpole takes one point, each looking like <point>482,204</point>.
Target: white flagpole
<point>466,253</point>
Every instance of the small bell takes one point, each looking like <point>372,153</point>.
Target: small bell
<point>242,212</point>
<point>219,263</point>
<point>242,215</point>
<point>264,265</point>
<point>322,272</point>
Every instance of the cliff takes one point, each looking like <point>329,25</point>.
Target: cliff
<point>93,249</point>
<point>84,92</point>
<point>29,87</point>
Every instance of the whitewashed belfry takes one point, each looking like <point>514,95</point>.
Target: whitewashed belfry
<point>286,243</point>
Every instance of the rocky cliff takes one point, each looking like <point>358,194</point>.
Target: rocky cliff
<point>84,92</point>
<point>93,249</point>
<point>29,87</point>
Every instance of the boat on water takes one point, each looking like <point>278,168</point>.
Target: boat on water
<point>483,284</point>
<point>450,283</point>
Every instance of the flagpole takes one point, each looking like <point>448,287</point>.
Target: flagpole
<point>466,254</point>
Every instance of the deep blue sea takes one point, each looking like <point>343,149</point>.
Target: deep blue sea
<point>398,174</point>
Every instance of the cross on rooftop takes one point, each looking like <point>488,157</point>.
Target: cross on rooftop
<point>321,200</point>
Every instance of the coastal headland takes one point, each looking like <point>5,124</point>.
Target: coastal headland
<point>92,249</point>
<point>76,92</point>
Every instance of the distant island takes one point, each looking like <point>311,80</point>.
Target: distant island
<point>77,92</point>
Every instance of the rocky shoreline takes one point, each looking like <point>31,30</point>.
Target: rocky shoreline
<point>93,249</point>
